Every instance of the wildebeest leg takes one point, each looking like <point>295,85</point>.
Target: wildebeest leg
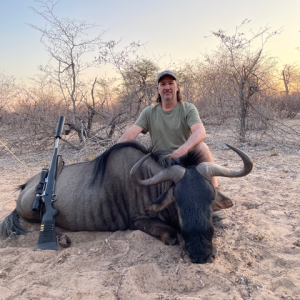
<point>158,229</point>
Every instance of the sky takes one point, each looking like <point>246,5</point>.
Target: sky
<point>175,30</point>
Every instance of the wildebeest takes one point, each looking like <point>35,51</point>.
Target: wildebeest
<point>129,188</point>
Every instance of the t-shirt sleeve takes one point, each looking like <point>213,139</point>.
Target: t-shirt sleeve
<point>192,116</point>
<point>143,120</point>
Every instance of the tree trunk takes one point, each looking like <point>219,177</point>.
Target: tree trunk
<point>243,115</point>
<point>112,130</point>
<point>91,115</point>
<point>285,81</point>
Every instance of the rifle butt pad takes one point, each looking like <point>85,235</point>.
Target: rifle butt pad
<point>47,239</point>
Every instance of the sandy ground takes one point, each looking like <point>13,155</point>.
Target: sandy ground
<point>258,243</point>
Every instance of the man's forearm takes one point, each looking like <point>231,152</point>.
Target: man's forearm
<point>125,138</point>
<point>196,138</point>
<point>130,134</point>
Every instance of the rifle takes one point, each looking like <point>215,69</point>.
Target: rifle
<point>47,239</point>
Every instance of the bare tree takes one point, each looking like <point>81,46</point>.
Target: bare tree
<point>67,44</point>
<point>250,70</point>
<point>291,78</point>
<point>136,88</point>
<point>206,85</point>
<point>40,102</point>
<point>139,84</point>
<point>7,93</point>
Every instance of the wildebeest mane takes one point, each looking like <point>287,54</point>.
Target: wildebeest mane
<point>101,161</point>
<point>191,159</point>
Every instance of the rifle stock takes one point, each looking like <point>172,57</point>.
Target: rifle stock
<point>47,238</point>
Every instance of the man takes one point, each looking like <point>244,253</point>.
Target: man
<point>173,125</point>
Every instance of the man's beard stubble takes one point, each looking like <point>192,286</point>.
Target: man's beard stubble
<point>170,97</point>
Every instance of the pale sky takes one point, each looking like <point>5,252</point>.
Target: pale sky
<point>176,29</point>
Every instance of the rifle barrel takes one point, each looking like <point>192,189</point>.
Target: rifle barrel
<point>60,126</point>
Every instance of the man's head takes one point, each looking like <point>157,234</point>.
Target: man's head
<point>167,87</point>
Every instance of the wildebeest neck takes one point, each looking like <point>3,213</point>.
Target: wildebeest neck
<point>101,161</point>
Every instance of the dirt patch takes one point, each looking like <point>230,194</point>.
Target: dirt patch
<point>258,256</point>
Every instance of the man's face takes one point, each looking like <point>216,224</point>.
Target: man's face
<point>167,88</point>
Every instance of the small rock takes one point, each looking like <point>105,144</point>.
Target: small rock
<point>201,284</point>
<point>60,261</point>
<point>2,274</point>
<point>259,256</point>
<point>297,243</point>
<point>94,250</point>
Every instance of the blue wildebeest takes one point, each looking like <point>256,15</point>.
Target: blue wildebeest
<point>129,188</point>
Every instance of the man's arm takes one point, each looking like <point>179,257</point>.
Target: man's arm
<point>198,135</point>
<point>131,134</point>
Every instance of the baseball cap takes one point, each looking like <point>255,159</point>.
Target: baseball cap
<point>164,73</point>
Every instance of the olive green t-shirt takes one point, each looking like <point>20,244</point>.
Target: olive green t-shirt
<point>168,129</point>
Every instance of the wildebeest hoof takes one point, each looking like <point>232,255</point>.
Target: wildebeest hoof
<point>171,241</point>
<point>226,204</point>
<point>169,238</point>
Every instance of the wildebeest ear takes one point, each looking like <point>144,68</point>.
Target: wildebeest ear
<point>221,200</point>
<point>163,201</point>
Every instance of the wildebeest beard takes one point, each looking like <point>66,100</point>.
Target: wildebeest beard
<point>194,207</point>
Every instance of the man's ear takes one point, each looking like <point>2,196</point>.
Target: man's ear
<point>163,201</point>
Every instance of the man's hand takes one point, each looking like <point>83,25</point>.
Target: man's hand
<point>178,153</point>
<point>198,136</point>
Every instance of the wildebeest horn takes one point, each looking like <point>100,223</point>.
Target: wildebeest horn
<point>208,170</point>
<point>174,173</point>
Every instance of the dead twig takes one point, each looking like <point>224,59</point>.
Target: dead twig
<point>250,206</point>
